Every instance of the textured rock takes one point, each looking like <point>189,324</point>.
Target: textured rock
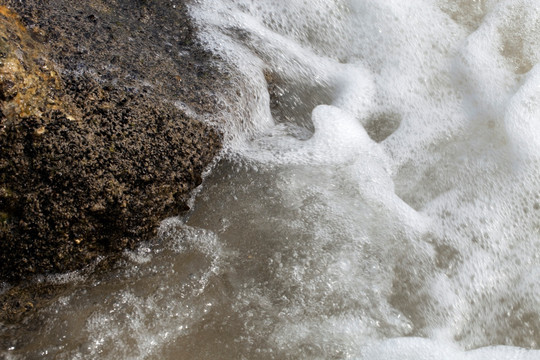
<point>93,153</point>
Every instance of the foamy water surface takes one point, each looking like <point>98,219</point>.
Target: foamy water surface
<point>378,198</point>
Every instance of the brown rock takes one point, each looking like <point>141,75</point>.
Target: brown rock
<point>92,152</point>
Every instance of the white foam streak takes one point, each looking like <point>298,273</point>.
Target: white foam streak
<point>422,349</point>
<point>522,119</point>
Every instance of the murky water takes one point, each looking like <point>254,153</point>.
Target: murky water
<point>379,197</point>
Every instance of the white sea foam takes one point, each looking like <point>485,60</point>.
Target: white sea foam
<point>422,349</point>
<point>445,193</point>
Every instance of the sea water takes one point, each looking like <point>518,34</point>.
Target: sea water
<point>378,196</point>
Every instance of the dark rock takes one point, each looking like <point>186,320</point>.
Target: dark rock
<point>93,153</point>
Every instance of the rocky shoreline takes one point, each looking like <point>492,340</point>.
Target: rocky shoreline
<point>96,146</point>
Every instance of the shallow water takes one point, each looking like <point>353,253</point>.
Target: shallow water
<point>378,198</point>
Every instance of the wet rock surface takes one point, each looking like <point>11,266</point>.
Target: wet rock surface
<point>93,151</point>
